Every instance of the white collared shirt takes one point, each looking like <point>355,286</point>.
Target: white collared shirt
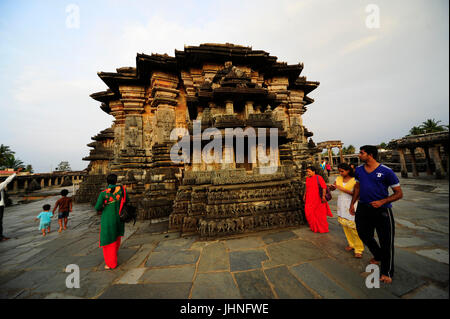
<point>3,186</point>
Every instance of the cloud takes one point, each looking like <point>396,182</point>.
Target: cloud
<point>358,44</point>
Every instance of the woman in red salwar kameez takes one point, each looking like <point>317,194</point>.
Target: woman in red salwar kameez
<point>316,208</point>
<point>111,227</point>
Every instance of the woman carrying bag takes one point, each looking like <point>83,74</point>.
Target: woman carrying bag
<point>109,203</point>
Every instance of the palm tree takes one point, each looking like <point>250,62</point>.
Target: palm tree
<point>348,150</point>
<point>431,125</point>
<point>416,130</point>
<point>5,152</point>
<point>12,162</point>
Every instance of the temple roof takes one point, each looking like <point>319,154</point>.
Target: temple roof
<point>196,56</point>
<point>103,135</point>
<point>302,84</point>
<point>221,53</point>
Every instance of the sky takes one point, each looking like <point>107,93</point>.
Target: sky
<point>376,80</point>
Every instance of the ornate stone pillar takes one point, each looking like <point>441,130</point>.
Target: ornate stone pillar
<point>164,93</point>
<point>404,170</point>
<point>25,184</point>
<point>119,126</point>
<point>341,157</point>
<point>229,108</point>
<point>42,182</point>
<point>133,105</point>
<point>15,186</point>
<point>434,152</point>
<point>248,109</point>
<point>228,157</point>
<point>330,156</point>
<point>427,156</point>
<point>413,162</point>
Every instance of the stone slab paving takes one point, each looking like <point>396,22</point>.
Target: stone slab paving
<point>253,285</point>
<point>319,282</point>
<point>286,286</point>
<point>435,254</point>
<point>173,274</point>
<point>291,263</point>
<point>214,258</point>
<point>215,285</point>
<point>431,292</point>
<point>246,260</point>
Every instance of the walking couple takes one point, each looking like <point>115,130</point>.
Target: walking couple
<point>369,189</point>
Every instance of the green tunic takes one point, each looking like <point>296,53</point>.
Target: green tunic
<point>110,226</point>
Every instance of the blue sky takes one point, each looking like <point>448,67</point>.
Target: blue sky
<point>375,83</point>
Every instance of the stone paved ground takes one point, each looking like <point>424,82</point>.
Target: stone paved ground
<point>288,263</point>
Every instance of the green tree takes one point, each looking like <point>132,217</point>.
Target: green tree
<point>416,130</point>
<point>29,169</point>
<point>431,125</point>
<point>348,150</point>
<point>383,145</point>
<point>5,153</point>
<point>64,166</point>
<point>12,162</point>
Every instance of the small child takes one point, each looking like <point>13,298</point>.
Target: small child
<point>46,218</point>
<point>65,206</point>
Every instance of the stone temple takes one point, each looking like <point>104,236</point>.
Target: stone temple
<point>218,86</point>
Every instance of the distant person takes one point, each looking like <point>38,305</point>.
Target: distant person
<point>111,227</point>
<point>328,168</point>
<point>316,206</point>
<point>3,202</point>
<point>345,183</point>
<point>374,210</point>
<point>353,167</point>
<point>322,166</point>
<point>46,218</point>
<point>65,207</point>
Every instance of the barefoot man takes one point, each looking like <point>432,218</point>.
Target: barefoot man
<point>375,209</point>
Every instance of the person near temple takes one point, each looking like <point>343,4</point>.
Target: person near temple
<point>111,227</point>
<point>65,206</point>
<point>323,164</point>
<point>345,183</point>
<point>3,201</point>
<point>374,211</point>
<point>316,206</point>
<point>328,168</point>
<point>45,218</point>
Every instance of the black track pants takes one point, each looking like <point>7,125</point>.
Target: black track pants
<point>368,219</point>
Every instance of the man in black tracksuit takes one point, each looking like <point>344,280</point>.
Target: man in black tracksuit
<point>374,210</point>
